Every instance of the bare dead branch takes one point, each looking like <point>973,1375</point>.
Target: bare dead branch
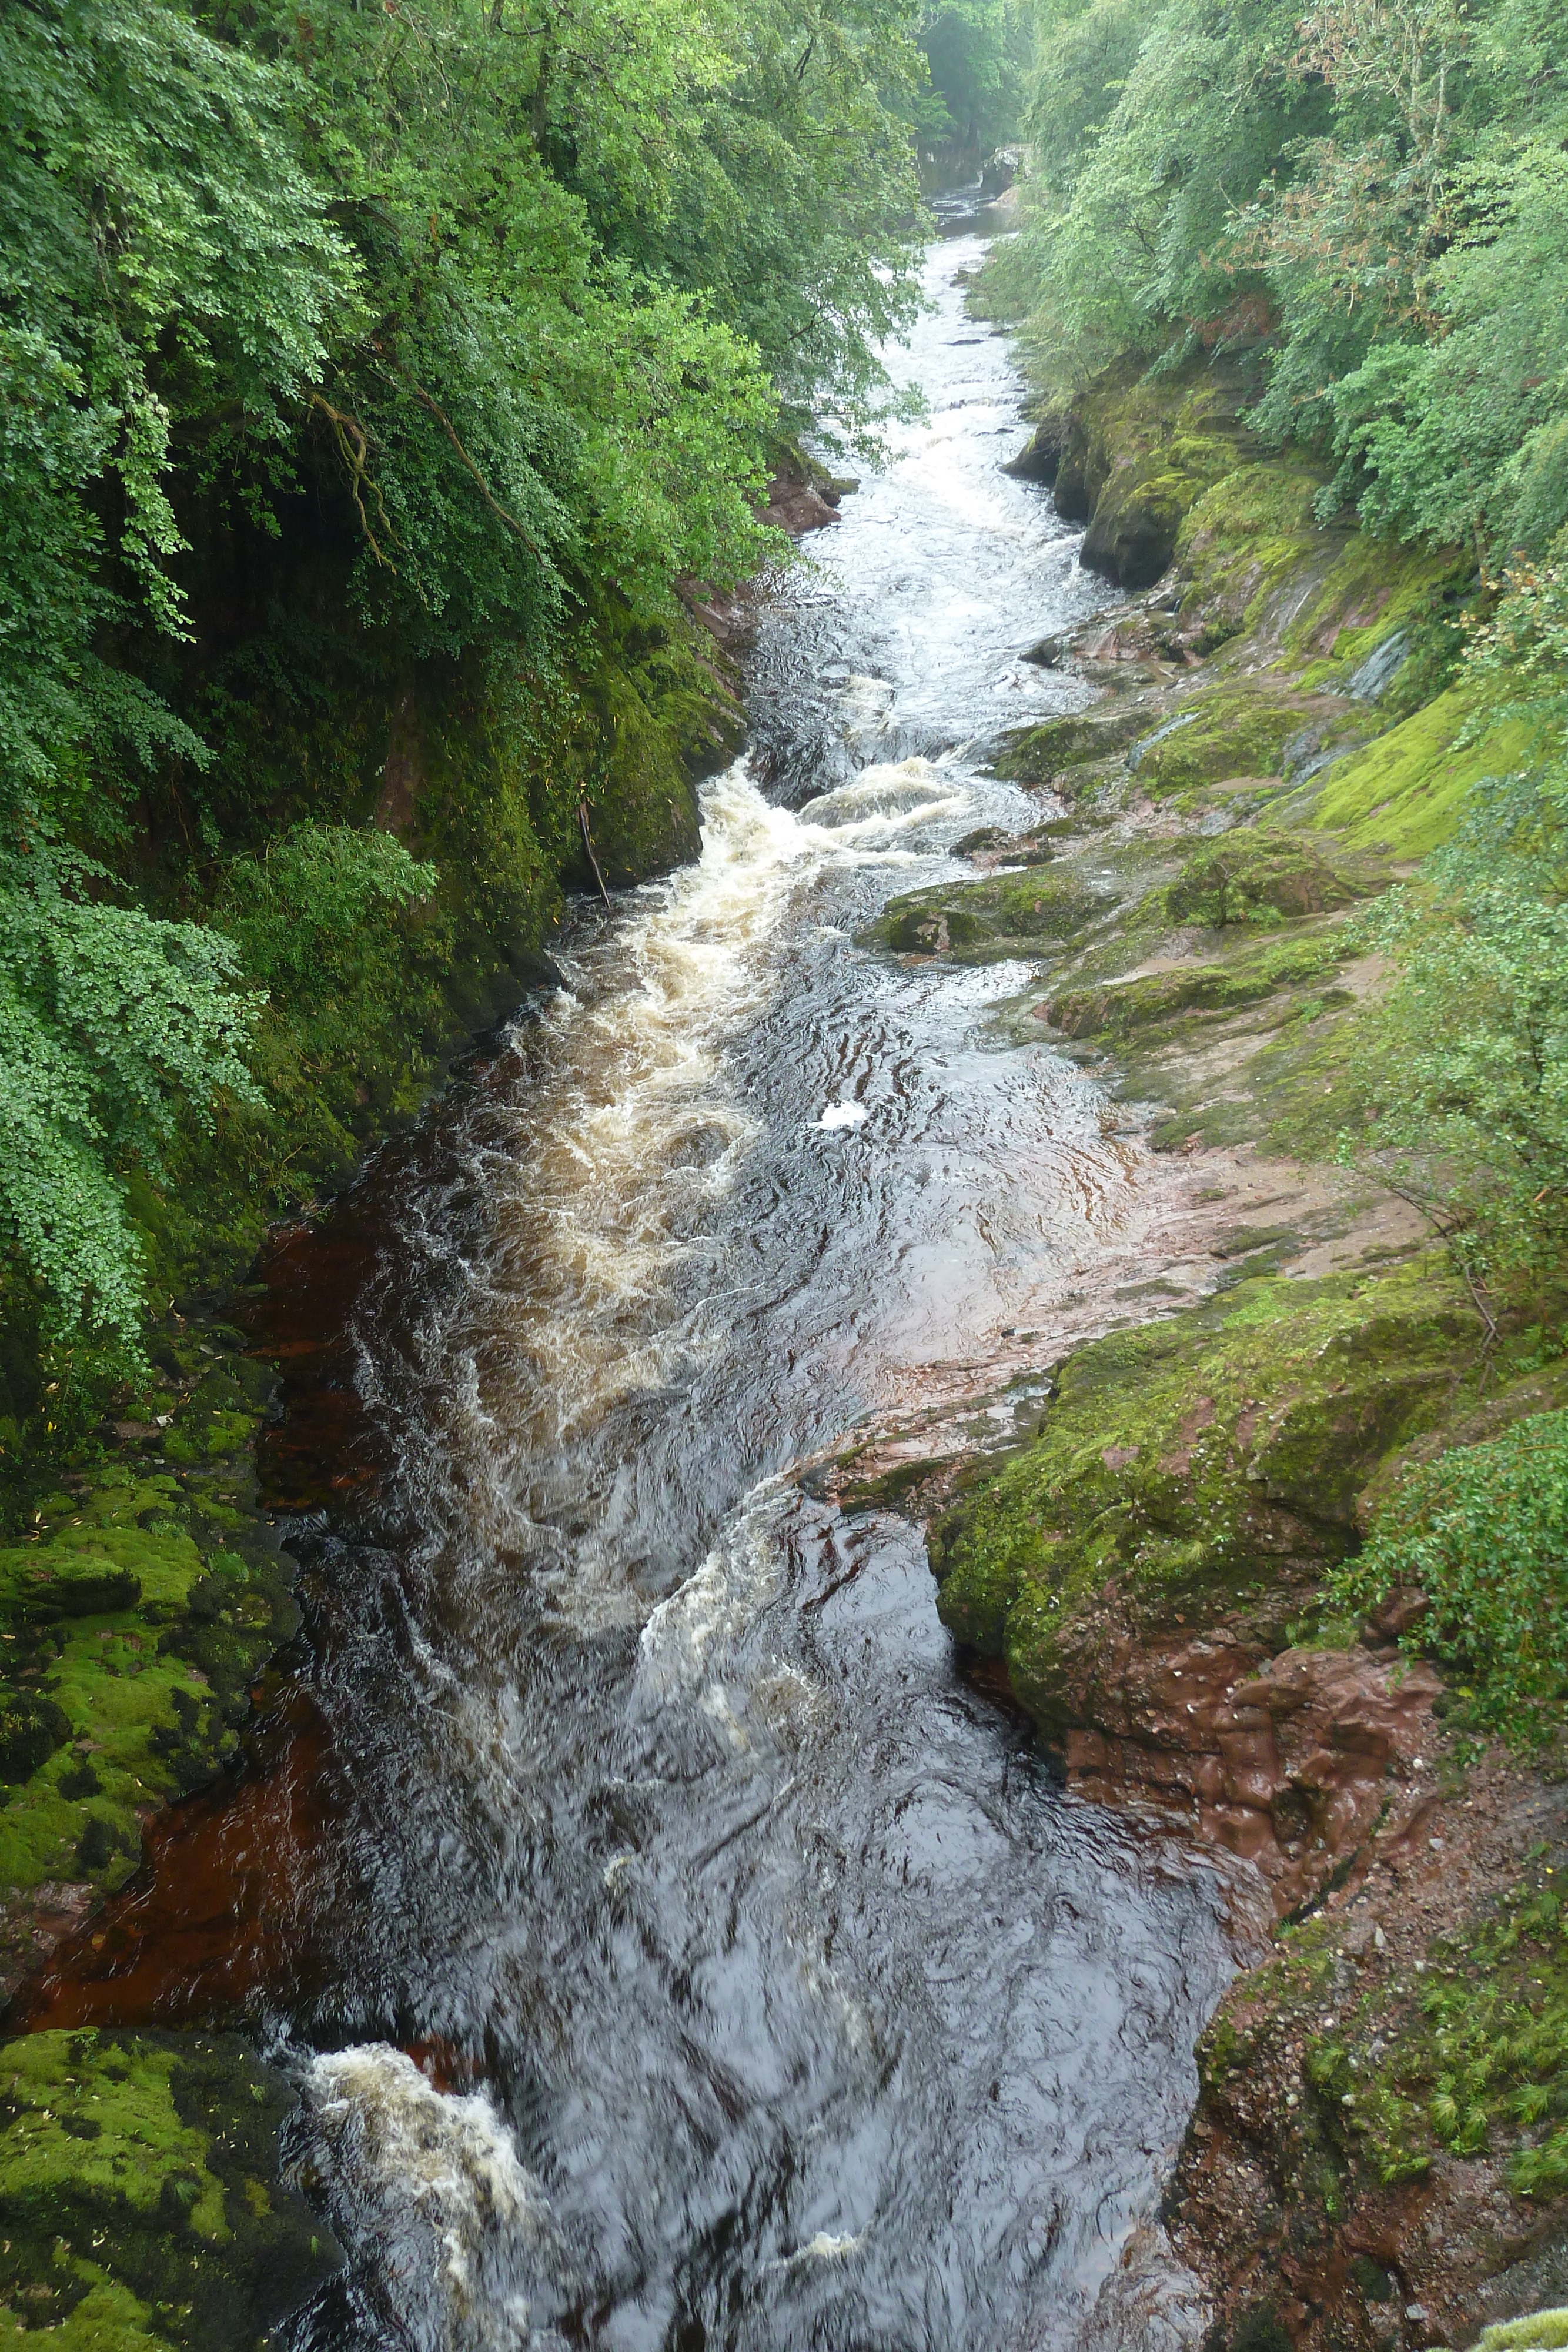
<point>587,845</point>
<point>494,503</point>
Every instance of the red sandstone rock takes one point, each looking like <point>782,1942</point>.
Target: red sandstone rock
<point>1289,1764</point>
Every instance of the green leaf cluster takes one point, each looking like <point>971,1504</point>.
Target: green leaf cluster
<point>108,1020</point>
<point>301,909</point>
<point>166,267</point>
<point>1470,1043</point>
<point>1483,1533</point>
<point>369,375</point>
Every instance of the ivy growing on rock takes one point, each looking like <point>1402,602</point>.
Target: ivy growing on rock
<point>1483,1533</point>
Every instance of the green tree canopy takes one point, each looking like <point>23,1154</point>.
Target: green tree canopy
<point>336,340</point>
<point>1374,189</point>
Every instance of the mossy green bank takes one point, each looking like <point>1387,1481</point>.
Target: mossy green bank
<point>136,1609</point>
<point>141,2207</point>
<point>1205,1470</point>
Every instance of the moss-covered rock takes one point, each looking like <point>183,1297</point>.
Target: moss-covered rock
<point>1240,729</point>
<point>1005,914</point>
<point>1294,1087</point>
<point>674,718</point>
<point>1119,1007</point>
<point>1471,2062</point>
<point>1246,536</point>
<point>1362,2121</point>
<point>1253,559</point>
<point>1540,2331</point>
<point>1402,792</point>
<point>1040,459</point>
<point>1206,1467</point>
<point>1037,847</point>
<point>1045,753</point>
<point>1257,875</point>
<point>134,1616</point>
<point>1370,589</point>
<point>1137,453</point>
<point>140,2204</point>
<point>1136,517</point>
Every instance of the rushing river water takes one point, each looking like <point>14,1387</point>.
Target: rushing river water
<point>766,1991</point>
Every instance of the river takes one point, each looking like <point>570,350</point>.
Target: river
<point>675,1950</point>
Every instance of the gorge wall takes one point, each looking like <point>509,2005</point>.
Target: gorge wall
<point>1277,735</point>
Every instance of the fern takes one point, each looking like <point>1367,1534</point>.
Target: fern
<point>109,1021</point>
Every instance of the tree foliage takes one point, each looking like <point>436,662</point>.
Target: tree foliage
<point>166,267</point>
<point>343,348</point>
<point>1370,193</point>
<point>1463,1060</point>
<point>976,51</point>
<point>109,1021</point>
<point>1476,1026</point>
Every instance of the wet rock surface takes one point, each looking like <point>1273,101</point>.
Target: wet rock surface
<point>801,495</point>
<point>1133,1550</point>
<point>1291,1762</point>
<point>1130,462</point>
<point>1315,2191</point>
<point>140,2202</point>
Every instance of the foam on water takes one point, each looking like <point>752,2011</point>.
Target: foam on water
<point>437,2178</point>
<point>814,2018</point>
<point>707,1614</point>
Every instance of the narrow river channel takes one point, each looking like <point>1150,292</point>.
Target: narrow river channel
<point>675,1950</point>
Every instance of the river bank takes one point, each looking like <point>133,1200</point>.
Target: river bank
<point>1276,738</point>
<point>1037,1150</point>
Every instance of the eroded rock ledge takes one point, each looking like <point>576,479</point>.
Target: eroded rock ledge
<point>1296,1763</point>
<point>1149,1569</point>
<point>1140,1562</point>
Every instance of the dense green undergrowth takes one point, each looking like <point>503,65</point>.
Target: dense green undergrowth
<point>1482,1534</point>
<point>1465,2053</point>
<point>375,389</point>
<point>1482,2062</point>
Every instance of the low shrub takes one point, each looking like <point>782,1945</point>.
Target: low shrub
<point>1483,1533</point>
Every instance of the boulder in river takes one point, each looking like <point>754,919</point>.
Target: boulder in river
<point>1041,455</point>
